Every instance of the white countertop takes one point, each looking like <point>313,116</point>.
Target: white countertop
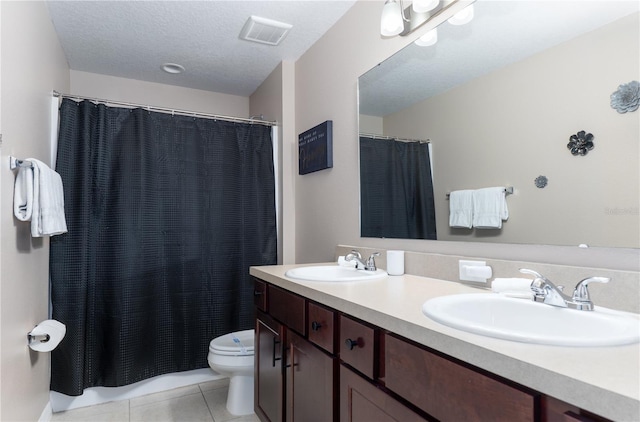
<point>602,380</point>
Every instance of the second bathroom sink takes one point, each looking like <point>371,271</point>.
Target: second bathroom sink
<point>526,321</point>
<point>334,273</point>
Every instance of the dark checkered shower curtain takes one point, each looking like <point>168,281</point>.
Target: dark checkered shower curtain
<point>165,215</point>
<point>396,189</point>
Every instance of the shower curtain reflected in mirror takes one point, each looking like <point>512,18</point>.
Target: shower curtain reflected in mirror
<point>166,214</point>
<point>396,189</point>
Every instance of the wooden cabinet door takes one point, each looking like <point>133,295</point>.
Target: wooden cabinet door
<point>361,401</point>
<point>311,379</point>
<point>269,371</point>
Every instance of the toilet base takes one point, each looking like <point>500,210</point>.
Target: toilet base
<point>240,396</point>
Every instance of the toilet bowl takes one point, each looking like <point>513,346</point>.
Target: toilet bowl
<point>232,355</point>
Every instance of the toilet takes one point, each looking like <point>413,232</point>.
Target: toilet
<point>232,355</point>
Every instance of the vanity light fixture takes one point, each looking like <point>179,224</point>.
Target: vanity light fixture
<point>423,6</point>
<point>392,20</point>
<point>428,39</point>
<point>398,20</point>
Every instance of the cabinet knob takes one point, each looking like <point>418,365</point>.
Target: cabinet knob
<point>351,344</point>
<point>315,326</point>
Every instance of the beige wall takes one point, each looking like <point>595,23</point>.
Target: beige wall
<point>149,93</point>
<point>327,202</point>
<point>274,99</point>
<point>521,130</point>
<point>33,65</point>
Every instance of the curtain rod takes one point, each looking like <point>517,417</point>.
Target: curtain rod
<point>386,138</point>
<point>171,110</point>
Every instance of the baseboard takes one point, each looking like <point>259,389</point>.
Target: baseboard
<point>97,395</point>
<point>47,414</point>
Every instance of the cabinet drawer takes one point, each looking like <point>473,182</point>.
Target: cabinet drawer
<point>287,308</point>
<point>449,391</point>
<point>321,327</point>
<point>357,345</point>
<point>260,294</point>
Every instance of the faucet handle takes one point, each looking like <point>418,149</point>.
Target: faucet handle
<point>531,272</point>
<point>371,262</point>
<point>356,252</point>
<point>537,284</point>
<point>581,293</point>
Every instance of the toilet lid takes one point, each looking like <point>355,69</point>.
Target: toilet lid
<point>237,343</point>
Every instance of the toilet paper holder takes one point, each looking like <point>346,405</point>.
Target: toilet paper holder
<point>46,336</point>
<point>42,338</point>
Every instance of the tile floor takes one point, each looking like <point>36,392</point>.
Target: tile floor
<point>200,402</point>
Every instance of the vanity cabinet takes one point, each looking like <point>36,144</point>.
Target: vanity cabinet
<point>296,371</point>
<point>314,363</point>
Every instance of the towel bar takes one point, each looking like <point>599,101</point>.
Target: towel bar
<point>15,163</point>
<point>508,190</point>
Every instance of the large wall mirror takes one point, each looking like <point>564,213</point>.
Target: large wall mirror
<point>499,98</point>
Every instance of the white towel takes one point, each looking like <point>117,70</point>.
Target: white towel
<point>344,263</point>
<point>489,208</point>
<point>40,192</point>
<point>23,194</point>
<point>513,287</point>
<point>511,284</point>
<point>461,208</point>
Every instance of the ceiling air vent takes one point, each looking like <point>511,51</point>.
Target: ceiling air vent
<point>264,31</point>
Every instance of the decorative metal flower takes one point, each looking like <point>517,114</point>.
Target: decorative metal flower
<point>541,181</point>
<point>580,143</point>
<point>627,97</point>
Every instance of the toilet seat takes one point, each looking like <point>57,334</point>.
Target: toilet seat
<point>238,343</point>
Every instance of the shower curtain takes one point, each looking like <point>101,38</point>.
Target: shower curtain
<point>165,215</point>
<point>396,189</point>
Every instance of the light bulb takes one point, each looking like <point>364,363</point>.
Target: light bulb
<point>462,17</point>
<point>391,21</point>
<point>423,6</point>
<point>428,39</point>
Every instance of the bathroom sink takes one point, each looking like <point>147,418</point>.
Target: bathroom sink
<point>334,273</point>
<point>526,321</point>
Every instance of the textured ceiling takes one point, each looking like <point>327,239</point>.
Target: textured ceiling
<point>501,33</point>
<point>132,39</point>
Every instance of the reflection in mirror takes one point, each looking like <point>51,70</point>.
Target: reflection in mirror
<point>396,188</point>
<point>500,98</point>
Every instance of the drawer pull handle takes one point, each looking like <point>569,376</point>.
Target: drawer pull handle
<point>275,343</point>
<point>315,326</point>
<point>351,344</point>
<point>257,293</point>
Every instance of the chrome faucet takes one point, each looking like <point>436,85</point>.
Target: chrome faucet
<point>546,292</point>
<point>369,265</point>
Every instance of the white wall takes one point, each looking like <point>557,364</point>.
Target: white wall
<point>33,65</point>
<point>327,202</point>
